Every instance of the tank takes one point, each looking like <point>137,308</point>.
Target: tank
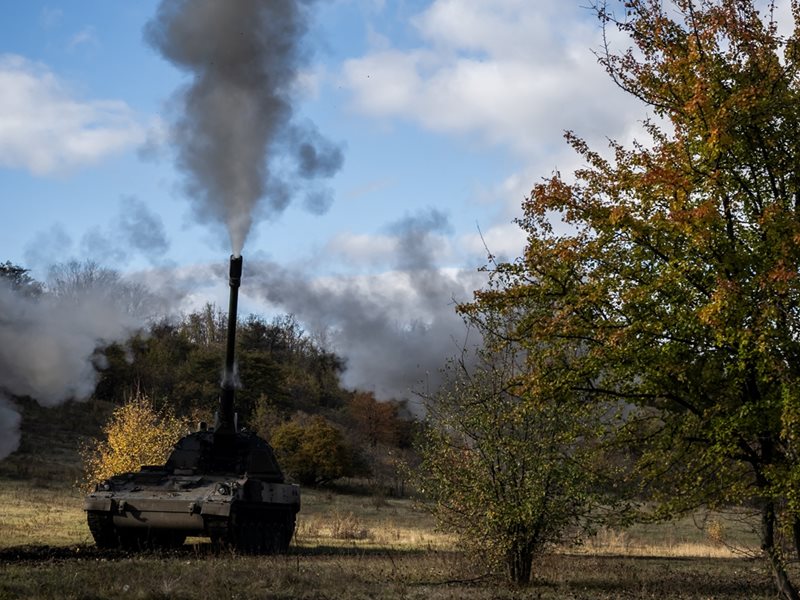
<point>218,482</point>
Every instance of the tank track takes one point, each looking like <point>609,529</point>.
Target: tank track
<point>107,535</point>
<point>254,531</point>
<point>103,531</point>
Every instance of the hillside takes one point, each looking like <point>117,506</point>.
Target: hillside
<point>50,441</point>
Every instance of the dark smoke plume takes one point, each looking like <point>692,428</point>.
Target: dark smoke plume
<point>142,229</point>
<point>136,230</point>
<point>395,330</point>
<point>236,131</point>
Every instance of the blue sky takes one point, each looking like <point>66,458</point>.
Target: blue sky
<point>465,132</point>
<point>446,111</point>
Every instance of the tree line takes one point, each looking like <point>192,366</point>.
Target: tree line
<point>290,386</point>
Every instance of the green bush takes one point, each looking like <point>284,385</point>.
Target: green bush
<point>312,451</point>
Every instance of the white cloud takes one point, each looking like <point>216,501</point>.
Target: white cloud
<point>307,83</point>
<point>85,37</point>
<point>504,241</point>
<point>783,16</point>
<point>498,28</point>
<point>513,72</point>
<point>46,130</point>
<point>378,250</point>
<point>509,74</point>
<point>360,248</point>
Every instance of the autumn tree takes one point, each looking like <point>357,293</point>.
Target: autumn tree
<point>383,430</point>
<point>676,266</point>
<point>76,281</point>
<point>374,422</point>
<point>137,434</point>
<point>182,360</point>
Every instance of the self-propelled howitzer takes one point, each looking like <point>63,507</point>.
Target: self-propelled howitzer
<point>221,483</point>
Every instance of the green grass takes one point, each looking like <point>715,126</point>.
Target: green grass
<point>704,534</point>
<point>364,522</point>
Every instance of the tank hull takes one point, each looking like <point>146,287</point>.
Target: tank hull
<point>153,508</point>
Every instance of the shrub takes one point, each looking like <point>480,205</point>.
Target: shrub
<point>504,468</point>
<point>136,434</point>
<point>312,450</point>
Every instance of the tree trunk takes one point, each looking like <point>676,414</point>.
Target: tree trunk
<point>786,590</point>
<point>796,534</point>
<point>519,562</point>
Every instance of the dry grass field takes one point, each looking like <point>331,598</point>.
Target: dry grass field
<point>346,546</point>
<point>350,546</point>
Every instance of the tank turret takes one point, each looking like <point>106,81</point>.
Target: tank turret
<point>221,483</point>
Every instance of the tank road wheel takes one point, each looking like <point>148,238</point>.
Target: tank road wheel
<point>249,532</point>
<point>217,530</point>
<point>278,531</point>
<point>261,532</point>
<point>101,525</point>
<point>107,535</point>
<point>149,539</point>
<point>238,531</point>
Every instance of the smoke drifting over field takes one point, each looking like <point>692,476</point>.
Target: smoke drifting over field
<point>395,330</point>
<point>48,343</point>
<point>244,58</point>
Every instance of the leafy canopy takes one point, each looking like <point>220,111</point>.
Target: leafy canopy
<point>312,450</point>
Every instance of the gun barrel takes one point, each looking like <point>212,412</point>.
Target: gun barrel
<point>226,423</point>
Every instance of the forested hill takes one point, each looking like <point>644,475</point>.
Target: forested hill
<point>289,383</point>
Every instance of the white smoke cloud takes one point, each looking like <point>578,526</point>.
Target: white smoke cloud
<point>135,231</point>
<point>48,343</point>
<point>394,329</point>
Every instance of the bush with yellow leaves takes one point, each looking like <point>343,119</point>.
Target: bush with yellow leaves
<point>136,434</point>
